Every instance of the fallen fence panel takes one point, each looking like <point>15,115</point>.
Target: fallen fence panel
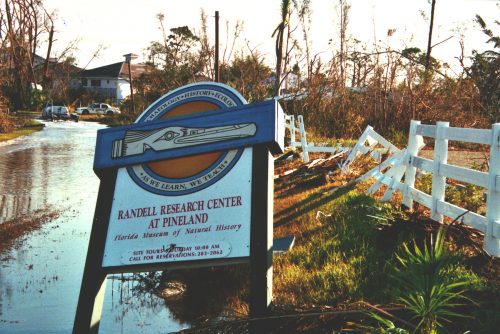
<point>422,163</point>
<point>389,162</point>
<point>373,138</point>
<point>421,197</point>
<point>302,143</point>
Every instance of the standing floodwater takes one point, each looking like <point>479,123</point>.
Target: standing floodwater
<point>40,276</point>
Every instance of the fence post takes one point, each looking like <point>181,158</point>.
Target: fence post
<point>438,180</point>
<point>413,148</point>
<point>492,236</point>
<point>292,131</point>
<point>303,139</point>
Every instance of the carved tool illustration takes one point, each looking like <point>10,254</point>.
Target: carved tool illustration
<point>138,142</point>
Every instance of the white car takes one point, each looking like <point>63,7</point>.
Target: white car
<point>98,108</point>
<point>52,112</point>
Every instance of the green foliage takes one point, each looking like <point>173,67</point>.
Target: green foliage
<point>249,75</point>
<point>341,260</point>
<point>411,53</point>
<point>398,138</point>
<point>351,255</point>
<point>37,99</point>
<point>468,196</point>
<point>174,62</point>
<point>416,55</point>
<point>484,71</point>
<point>384,326</point>
<point>427,285</point>
<point>19,132</point>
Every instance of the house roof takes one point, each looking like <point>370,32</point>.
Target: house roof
<point>116,70</point>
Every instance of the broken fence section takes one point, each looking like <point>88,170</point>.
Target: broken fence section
<point>306,147</point>
<point>406,163</point>
<point>369,142</point>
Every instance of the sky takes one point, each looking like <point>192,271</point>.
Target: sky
<point>125,26</point>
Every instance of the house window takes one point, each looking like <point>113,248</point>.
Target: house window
<point>107,81</point>
<point>84,82</point>
<point>95,83</point>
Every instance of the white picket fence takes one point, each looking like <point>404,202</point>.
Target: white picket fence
<point>406,162</point>
<point>302,143</point>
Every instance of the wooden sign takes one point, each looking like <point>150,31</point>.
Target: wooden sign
<point>189,184</point>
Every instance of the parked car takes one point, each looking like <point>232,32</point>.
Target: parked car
<point>98,108</point>
<point>58,112</point>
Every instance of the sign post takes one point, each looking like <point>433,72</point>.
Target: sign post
<point>261,233</point>
<point>189,184</point>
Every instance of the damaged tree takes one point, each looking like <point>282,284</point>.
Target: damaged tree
<point>25,26</point>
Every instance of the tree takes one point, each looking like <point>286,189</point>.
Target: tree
<point>280,32</point>
<point>207,51</point>
<point>249,75</point>
<point>24,26</point>
<point>344,21</point>
<point>173,62</point>
<point>485,72</point>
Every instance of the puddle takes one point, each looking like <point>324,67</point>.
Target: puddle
<point>40,277</point>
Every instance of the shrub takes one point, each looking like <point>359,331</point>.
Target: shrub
<point>428,285</point>
<point>5,123</point>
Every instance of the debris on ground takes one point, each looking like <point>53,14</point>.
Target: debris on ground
<point>15,228</point>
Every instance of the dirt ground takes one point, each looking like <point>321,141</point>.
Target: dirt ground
<point>461,158</point>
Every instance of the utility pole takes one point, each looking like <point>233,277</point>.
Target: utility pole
<point>216,69</point>
<point>128,59</point>
<point>429,41</point>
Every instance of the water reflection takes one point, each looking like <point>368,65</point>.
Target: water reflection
<point>40,279</point>
<point>136,308</point>
<point>45,168</point>
<point>211,294</point>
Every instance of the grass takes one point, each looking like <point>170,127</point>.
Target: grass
<point>346,249</point>
<point>27,128</point>
<point>18,124</point>
<point>467,196</point>
<point>336,257</point>
<point>344,258</point>
<point>110,120</point>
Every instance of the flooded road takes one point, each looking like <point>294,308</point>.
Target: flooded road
<point>40,276</point>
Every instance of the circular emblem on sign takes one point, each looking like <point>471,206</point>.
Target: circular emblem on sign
<point>185,175</point>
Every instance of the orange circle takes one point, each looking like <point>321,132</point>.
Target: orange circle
<point>186,166</point>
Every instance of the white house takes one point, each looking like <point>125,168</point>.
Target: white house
<point>112,80</point>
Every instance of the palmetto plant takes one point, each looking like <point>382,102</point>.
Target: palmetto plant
<point>427,286</point>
